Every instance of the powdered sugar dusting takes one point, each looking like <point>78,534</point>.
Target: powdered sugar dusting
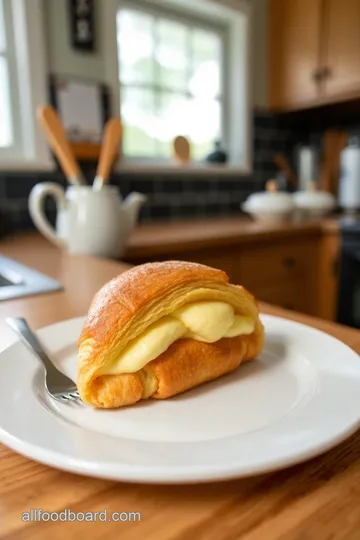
<point>138,271</point>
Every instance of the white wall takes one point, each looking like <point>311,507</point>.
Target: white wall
<point>65,61</point>
<point>62,58</point>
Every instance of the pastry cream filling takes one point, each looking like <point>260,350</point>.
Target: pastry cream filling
<point>203,321</point>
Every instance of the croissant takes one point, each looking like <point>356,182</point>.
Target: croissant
<point>162,328</point>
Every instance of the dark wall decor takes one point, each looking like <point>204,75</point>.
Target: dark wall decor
<point>81,13</point>
<point>85,144</point>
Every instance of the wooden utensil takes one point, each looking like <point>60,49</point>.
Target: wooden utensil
<point>325,180</point>
<point>281,161</point>
<point>109,148</point>
<point>334,142</point>
<point>55,133</point>
<point>341,142</point>
<point>181,150</point>
<point>271,186</point>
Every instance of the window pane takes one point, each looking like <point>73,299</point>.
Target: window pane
<point>198,119</point>
<point>138,117</point>
<point>171,54</point>
<point>135,46</point>
<point>172,120</point>
<point>206,51</point>
<point>6,136</point>
<point>205,125</point>
<point>2,28</point>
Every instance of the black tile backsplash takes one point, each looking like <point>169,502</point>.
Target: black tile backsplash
<point>17,186</point>
<point>147,186</point>
<point>169,196</point>
<point>174,185</point>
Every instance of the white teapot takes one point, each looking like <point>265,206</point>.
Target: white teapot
<point>88,221</point>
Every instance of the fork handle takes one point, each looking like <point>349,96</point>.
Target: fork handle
<point>21,327</point>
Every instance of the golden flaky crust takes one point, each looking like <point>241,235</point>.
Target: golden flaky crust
<point>134,300</point>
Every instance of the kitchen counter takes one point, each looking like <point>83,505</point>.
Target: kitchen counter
<point>164,238</point>
<point>318,499</point>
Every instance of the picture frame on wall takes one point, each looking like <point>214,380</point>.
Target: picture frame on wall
<point>83,106</point>
<point>82,26</point>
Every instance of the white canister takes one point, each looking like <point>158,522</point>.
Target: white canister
<point>349,184</point>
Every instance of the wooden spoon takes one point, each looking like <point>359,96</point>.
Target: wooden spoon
<point>181,150</point>
<point>334,142</point>
<point>109,149</point>
<point>271,186</point>
<point>55,133</point>
<point>283,164</point>
<point>341,142</point>
<point>329,144</point>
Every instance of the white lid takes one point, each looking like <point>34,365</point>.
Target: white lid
<point>311,199</point>
<point>270,201</point>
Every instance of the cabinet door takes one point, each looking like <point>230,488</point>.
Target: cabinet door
<point>341,47</point>
<point>328,277</point>
<point>292,295</point>
<point>267,266</point>
<point>294,46</point>
<point>283,273</point>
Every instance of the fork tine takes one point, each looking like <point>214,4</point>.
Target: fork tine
<point>62,397</point>
<point>66,397</point>
<point>70,397</point>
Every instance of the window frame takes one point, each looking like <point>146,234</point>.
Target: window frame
<point>27,69</point>
<point>4,55</point>
<point>236,17</point>
<point>189,21</point>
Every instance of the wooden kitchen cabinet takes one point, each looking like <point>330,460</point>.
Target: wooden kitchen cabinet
<point>314,52</point>
<point>278,262</point>
<point>294,33</point>
<point>328,276</point>
<point>289,296</point>
<point>284,274</point>
<point>341,60</point>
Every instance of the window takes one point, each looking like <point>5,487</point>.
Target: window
<point>23,85</point>
<point>6,126</point>
<point>171,82</point>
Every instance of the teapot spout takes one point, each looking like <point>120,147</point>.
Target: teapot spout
<point>131,206</point>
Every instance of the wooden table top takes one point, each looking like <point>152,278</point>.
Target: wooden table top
<point>153,239</point>
<point>317,500</point>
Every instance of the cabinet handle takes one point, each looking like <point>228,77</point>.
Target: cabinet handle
<point>326,72</point>
<point>289,262</point>
<point>321,73</point>
<point>317,75</point>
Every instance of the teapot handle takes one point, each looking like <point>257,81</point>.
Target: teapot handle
<point>36,209</point>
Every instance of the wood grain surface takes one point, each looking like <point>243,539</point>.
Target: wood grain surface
<point>152,239</point>
<point>294,49</point>
<point>318,500</point>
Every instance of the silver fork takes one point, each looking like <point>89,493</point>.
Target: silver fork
<point>57,384</point>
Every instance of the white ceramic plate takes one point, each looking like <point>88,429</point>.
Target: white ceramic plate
<point>297,400</point>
